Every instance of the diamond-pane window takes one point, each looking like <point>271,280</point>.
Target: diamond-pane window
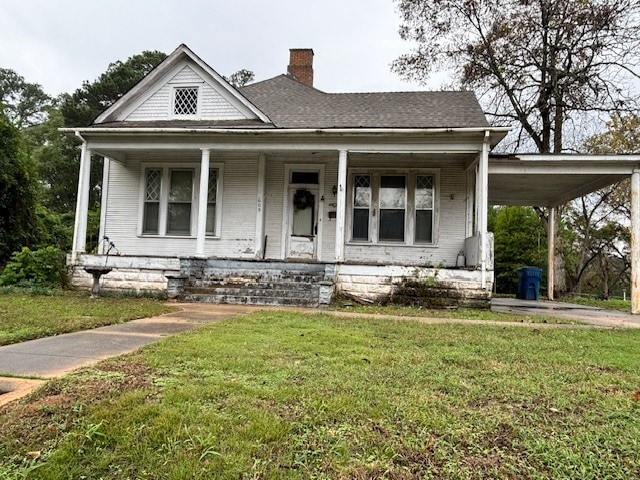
<point>152,201</point>
<point>185,101</point>
<point>153,185</point>
<point>212,196</point>
<point>424,208</point>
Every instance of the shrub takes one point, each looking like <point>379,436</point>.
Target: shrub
<point>44,267</point>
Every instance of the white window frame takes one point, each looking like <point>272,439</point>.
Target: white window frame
<point>172,105</point>
<point>410,211</point>
<point>163,216</point>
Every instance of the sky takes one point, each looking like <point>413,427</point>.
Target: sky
<point>61,43</point>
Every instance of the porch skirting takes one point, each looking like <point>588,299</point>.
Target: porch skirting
<point>272,282</point>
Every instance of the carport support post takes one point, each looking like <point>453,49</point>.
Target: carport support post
<point>635,245</point>
<point>202,202</point>
<point>551,254</point>
<point>341,203</point>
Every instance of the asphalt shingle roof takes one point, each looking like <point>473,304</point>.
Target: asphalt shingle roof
<point>291,104</point>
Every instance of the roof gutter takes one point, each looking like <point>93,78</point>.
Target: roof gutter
<point>287,131</point>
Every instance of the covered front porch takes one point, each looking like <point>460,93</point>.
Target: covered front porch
<point>403,201</point>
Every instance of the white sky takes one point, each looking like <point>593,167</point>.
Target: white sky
<point>61,43</point>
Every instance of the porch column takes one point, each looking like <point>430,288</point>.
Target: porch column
<point>635,242</point>
<point>202,202</point>
<point>341,203</point>
<point>262,182</point>
<point>483,206</point>
<point>82,204</point>
<point>104,197</point>
<point>551,248</point>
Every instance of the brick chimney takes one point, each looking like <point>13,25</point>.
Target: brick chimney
<point>301,65</point>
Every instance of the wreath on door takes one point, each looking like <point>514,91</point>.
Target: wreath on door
<point>303,199</point>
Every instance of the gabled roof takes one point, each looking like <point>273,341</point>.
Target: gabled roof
<point>145,87</point>
<point>291,104</point>
<point>284,102</point>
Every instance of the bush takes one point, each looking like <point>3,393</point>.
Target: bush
<point>40,268</point>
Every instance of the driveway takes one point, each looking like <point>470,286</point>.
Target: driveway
<point>599,317</point>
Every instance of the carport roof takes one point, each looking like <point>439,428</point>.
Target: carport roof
<point>548,180</point>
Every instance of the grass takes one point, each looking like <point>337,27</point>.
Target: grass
<point>456,313</point>
<point>610,304</point>
<point>25,316</point>
<point>290,396</point>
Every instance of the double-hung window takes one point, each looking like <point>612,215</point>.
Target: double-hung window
<point>393,207</point>
<point>170,205</point>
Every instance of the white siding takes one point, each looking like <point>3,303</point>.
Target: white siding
<point>239,205</point>
<point>213,106</point>
<point>237,235</point>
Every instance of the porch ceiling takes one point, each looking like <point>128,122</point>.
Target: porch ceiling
<point>551,180</point>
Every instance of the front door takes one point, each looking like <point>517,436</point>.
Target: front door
<point>303,222</point>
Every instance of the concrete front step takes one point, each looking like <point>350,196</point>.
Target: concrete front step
<point>284,281</point>
<point>304,291</point>
<point>250,300</point>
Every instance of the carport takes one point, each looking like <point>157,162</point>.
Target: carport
<point>550,180</point>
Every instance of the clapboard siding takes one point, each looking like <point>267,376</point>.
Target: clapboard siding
<point>213,106</point>
<point>274,207</point>
<point>239,203</point>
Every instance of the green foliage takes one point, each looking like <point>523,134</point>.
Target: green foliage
<point>44,267</point>
<point>520,240</point>
<point>240,78</point>
<point>23,103</point>
<point>87,102</point>
<point>18,187</point>
<point>56,229</point>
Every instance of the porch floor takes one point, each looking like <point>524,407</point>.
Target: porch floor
<point>591,315</point>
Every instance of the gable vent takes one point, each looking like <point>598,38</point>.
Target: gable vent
<point>185,101</point>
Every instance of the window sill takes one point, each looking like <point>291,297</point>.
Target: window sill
<point>391,244</point>
<point>183,237</point>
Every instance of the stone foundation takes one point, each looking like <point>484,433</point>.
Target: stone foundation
<point>290,283</point>
<point>414,285</point>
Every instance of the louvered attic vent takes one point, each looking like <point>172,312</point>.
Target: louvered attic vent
<point>185,101</point>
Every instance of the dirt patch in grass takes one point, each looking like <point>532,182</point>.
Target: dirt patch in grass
<point>43,417</point>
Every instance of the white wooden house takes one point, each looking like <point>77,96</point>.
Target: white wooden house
<point>277,192</point>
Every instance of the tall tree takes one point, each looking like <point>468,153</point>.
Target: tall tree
<point>86,103</point>
<point>240,78</point>
<point>24,103</point>
<point>18,187</point>
<point>542,63</point>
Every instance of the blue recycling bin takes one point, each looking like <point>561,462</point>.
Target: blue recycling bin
<point>529,283</point>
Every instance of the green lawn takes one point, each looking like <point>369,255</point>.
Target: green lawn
<point>282,395</point>
<point>455,313</point>
<point>24,316</point>
<point>611,304</point>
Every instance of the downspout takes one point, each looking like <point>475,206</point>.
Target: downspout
<point>76,223</point>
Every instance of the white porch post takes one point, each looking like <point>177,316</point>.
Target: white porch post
<point>104,197</point>
<point>202,202</point>
<point>262,182</point>
<point>483,206</point>
<point>82,204</point>
<point>341,203</point>
<point>635,242</point>
<point>551,247</point>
